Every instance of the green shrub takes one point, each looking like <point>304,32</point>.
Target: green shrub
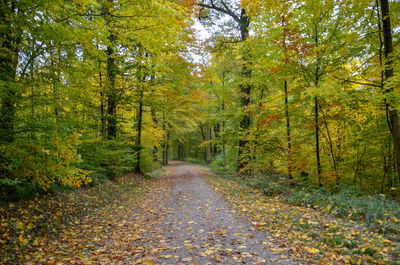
<point>30,167</point>
<point>376,211</point>
<point>107,159</point>
<point>270,185</point>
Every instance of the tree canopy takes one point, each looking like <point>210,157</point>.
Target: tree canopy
<point>92,89</point>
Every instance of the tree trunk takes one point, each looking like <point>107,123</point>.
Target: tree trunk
<point>208,144</point>
<point>167,149</point>
<point>223,136</point>
<point>111,76</point>
<point>203,136</point>
<point>288,135</point>
<point>394,119</point>
<point>317,142</point>
<point>102,117</point>
<point>155,124</point>
<point>111,96</point>
<point>10,37</point>
<point>217,129</point>
<point>139,132</point>
<point>165,143</point>
<point>245,91</point>
<point>316,116</point>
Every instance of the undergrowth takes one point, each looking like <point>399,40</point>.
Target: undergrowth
<point>317,226</point>
<point>378,212</point>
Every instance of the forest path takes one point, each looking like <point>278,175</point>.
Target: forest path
<point>193,224</point>
<point>180,220</point>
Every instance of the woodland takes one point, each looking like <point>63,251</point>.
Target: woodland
<point>299,98</point>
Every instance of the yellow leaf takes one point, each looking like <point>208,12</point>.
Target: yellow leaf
<point>312,250</point>
<point>22,241</point>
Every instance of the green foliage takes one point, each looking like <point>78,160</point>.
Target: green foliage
<point>378,212</point>
<point>107,160</point>
<point>26,168</point>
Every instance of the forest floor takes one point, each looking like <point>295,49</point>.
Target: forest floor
<point>181,220</point>
<point>191,216</point>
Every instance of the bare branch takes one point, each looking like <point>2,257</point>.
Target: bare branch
<point>225,10</point>
<point>222,43</point>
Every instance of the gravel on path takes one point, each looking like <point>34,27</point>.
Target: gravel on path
<point>195,225</point>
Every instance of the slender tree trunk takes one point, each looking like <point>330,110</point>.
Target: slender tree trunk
<point>388,89</point>
<point>223,136</point>
<point>111,96</point>
<point>155,124</point>
<point>203,136</point>
<point>316,116</point>
<point>288,134</point>
<point>167,149</point>
<point>165,143</point>
<point>217,129</point>
<point>10,37</point>
<point>55,83</point>
<point>102,117</point>
<point>208,144</point>
<point>317,142</point>
<point>139,132</point>
<point>33,116</point>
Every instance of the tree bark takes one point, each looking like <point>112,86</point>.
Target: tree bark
<point>245,92</point>
<point>10,37</point>
<point>203,136</point>
<point>111,96</point>
<point>102,116</point>
<point>208,144</point>
<point>319,171</point>
<point>155,124</point>
<point>138,168</point>
<point>316,115</point>
<point>388,88</point>
<point>288,134</point>
<point>111,76</point>
<point>165,143</point>
<point>217,129</point>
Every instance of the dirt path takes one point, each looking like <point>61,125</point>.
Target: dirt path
<point>181,220</point>
<point>199,227</point>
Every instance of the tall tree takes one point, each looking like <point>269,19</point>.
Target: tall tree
<point>242,20</point>
<point>10,39</point>
<point>388,87</point>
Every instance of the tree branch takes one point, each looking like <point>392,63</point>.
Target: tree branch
<point>222,43</point>
<point>358,83</point>
<point>225,10</point>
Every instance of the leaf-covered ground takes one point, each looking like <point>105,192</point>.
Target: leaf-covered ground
<point>179,220</point>
<point>312,234</point>
<point>57,226</point>
<point>182,218</point>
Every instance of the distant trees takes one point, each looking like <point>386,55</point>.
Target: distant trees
<point>79,90</point>
<point>315,88</point>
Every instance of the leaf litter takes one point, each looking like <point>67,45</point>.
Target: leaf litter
<point>179,220</point>
<point>312,236</point>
